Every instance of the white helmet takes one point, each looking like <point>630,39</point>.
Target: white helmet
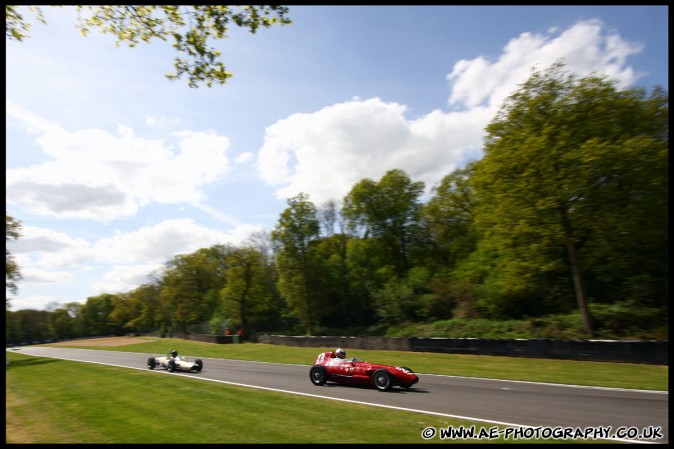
<point>339,352</point>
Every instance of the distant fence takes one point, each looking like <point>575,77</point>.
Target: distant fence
<point>207,338</point>
<point>629,351</point>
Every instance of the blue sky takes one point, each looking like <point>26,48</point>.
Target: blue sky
<point>113,170</point>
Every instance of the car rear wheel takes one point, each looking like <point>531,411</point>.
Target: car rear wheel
<point>382,380</point>
<point>318,375</point>
<point>171,366</point>
<point>151,363</point>
<point>198,365</point>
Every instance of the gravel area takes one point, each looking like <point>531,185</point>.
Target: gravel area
<point>106,341</point>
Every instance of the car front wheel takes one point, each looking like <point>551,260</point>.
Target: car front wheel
<point>382,380</point>
<point>318,375</point>
<point>198,365</point>
<point>171,366</point>
<point>151,363</point>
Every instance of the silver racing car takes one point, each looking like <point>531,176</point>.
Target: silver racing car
<point>172,362</point>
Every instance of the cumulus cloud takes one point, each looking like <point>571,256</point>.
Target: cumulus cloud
<point>35,276</point>
<point>325,153</point>
<point>99,175</point>
<point>157,243</point>
<point>586,48</point>
<point>122,278</point>
<point>49,257</point>
<point>49,249</point>
<point>35,302</point>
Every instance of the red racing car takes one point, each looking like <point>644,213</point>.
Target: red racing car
<point>356,372</point>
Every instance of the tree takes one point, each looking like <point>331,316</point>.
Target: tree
<point>151,315</point>
<point>190,26</point>
<point>191,285</point>
<point>575,174</point>
<point>448,216</point>
<point>248,298</point>
<point>95,315</point>
<point>297,230</point>
<point>12,271</point>
<point>389,212</point>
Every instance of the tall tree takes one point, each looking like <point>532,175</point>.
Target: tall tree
<point>248,297</point>
<point>191,27</point>
<point>571,167</point>
<point>295,233</point>
<point>191,285</point>
<point>449,218</point>
<point>146,301</point>
<point>389,212</point>
<point>12,271</point>
<point>95,315</point>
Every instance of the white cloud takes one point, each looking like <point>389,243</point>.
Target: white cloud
<point>244,158</point>
<point>325,153</point>
<point>34,123</point>
<point>35,302</point>
<point>101,176</point>
<point>35,276</point>
<point>50,249</point>
<point>163,241</point>
<point>121,279</point>
<point>584,47</point>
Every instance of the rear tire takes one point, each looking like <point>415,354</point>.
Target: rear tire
<point>318,375</point>
<point>382,381</point>
<point>198,365</point>
<point>171,366</point>
<point>151,363</point>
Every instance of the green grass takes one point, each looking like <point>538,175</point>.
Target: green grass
<point>58,401</point>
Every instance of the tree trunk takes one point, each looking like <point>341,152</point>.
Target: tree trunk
<point>576,274</point>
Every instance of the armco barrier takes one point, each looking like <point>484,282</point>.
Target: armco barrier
<point>629,351</point>
<point>207,338</point>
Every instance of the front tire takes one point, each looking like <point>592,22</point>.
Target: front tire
<point>171,366</point>
<point>318,375</point>
<point>382,381</point>
<point>198,365</point>
<point>151,363</point>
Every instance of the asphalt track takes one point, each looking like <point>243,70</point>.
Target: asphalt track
<point>527,407</point>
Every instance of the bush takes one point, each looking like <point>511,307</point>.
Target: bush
<point>612,322</point>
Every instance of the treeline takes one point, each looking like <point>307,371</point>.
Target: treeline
<point>565,214</point>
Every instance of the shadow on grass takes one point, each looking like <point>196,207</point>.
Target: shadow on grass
<point>30,362</point>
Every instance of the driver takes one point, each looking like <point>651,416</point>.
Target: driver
<point>173,354</point>
<point>341,354</point>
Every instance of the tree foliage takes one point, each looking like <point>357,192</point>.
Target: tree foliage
<point>248,297</point>
<point>297,230</point>
<point>191,284</point>
<point>448,216</point>
<point>191,28</point>
<point>387,211</point>
<point>571,169</point>
<point>12,271</point>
